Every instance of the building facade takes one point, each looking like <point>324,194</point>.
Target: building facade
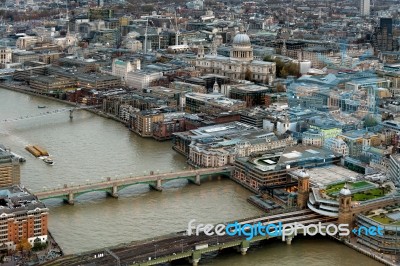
<point>394,169</point>
<point>365,7</point>
<point>9,169</point>
<point>5,55</point>
<point>240,64</point>
<point>313,138</point>
<point>22,218</point>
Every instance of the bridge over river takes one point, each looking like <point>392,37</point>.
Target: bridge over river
<point>113,186</point>
<point>181,246</point>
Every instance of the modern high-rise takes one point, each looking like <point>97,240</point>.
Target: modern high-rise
<point>385,36</point>
<point>365,7</point>
<point>394,169</point>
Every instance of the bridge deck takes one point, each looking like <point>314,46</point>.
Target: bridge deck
<point>179,246</point>
<point>109,184</point>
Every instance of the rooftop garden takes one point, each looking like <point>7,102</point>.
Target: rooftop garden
<point>335,188</point>
<point>389,215</point>
<point>360,190</point>
<point>369,194</point>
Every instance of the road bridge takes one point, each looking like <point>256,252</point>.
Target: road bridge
<point>181,246</point>
<point>113,186</point>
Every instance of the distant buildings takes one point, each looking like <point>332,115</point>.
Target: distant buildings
<point>51,83</point>
<point>9,169</point>
<point>240,64</point>
<point>5,55</point>
<point>211,103</point>
<point>253,95</point>
<point>337,145</point>
<point>142,122</point>
<point>365,8</point>
<point>225,150</point>
<point>272,168</point>
<point>394,169</point>
<point>385,36</point>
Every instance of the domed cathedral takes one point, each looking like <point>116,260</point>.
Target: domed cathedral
<point>240,64</point>
<point>241,48</point>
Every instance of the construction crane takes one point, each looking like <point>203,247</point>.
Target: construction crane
<point>177,32</point>
<point>175,28</point>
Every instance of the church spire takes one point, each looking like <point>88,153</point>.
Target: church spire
<point>216,86</point>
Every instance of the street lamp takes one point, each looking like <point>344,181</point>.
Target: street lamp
<point>182,245</point>
<point>155,251</point>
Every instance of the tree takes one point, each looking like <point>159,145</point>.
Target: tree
<point>283,69</point>
<point>38,245</point>
<point>280,88</point>
<point>283,73</point>
<point>268,58</point>
<point>147,8</point>
<point>370,121</point>
<point>24,245</point>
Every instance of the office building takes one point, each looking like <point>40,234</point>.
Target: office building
<point>9,168</point>
<point>365,7</point>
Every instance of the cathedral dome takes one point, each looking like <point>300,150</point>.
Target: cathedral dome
<point>241,39</point>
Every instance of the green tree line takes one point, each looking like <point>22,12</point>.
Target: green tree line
<point>284,69</point>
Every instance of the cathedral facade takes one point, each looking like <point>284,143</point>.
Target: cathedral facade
<point>240,64</point>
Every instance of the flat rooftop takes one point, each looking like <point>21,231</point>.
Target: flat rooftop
<point>302,153</point>
<point>389,215</point>
<point>322,176</point>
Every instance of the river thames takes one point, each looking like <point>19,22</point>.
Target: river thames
<point>90,148</point>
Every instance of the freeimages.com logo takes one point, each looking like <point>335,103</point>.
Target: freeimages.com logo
<point>279,229</point>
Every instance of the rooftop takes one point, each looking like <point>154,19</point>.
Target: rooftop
<point>389,215</point>
<point>16,199</point>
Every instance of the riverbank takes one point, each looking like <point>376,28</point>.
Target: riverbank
<point>66,218</point>
<point>38,94</point>
<point>385,259</point>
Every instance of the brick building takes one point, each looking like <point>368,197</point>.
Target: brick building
<point>22,218</point>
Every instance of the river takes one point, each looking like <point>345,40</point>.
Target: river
<point>90,148</point>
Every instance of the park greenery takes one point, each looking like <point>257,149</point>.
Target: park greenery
<point>284,69</point>
<point>368,194</point>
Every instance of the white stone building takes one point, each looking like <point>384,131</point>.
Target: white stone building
<point>223,153</point>
<point>5,55</point>
<point>240,64</point>
<point>337,145</point>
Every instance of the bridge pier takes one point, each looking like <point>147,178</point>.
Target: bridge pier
<point>114,191</point>
<point>157,186</point>
<point>244,246</point>
<point>70,199</point>
<point>195,262</point>
<point>195,259</point>
<point>289,240</point>
<point>197,180</point>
